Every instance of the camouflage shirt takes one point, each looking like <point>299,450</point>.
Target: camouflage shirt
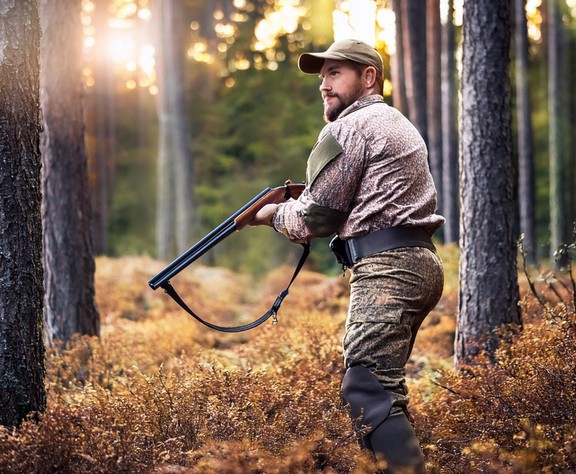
<point>367,171</point>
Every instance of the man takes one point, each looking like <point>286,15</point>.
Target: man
<point>368,180</point>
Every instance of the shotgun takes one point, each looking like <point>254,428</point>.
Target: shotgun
<point>237,221</point>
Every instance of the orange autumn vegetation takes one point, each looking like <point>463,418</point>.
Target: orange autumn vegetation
<point>160,393</point>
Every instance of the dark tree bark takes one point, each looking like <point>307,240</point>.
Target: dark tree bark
<point>526,199</point>
<point>397,72</point>
<point>434,94</point>
<point>68,256</point>
<point>450,165</point>
<point>414,44</point>
<point>488,296</point>
<point>21,275</point>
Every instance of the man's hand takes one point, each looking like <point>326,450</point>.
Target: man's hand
<point>264,216</point>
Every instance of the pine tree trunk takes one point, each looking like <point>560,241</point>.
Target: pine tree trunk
<point>397,73</point>
<point>175,210</point>
<point>526,199</point>
<point>450,165</point>
<point>571,135</point>
<point>69,262</point>
<point>101,123</point>
<point>21,273</point>
<point>414,43</point>
<point>557,196</point>
<point>434,94</point>
<point>488,295</point>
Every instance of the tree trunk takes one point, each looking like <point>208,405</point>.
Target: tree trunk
<point>166,193</point>
<point>414,43</point>
<point>434,94</point>
<point>69,262</point>
<point>397,72</point>
<point>571,120</point>
<point>559,229</point>
<point>21,274</point>
<point>488,296</point>
<point>175,209</point>
<point>526,199</point>
<point>100,122</point>
<point>450,165</point>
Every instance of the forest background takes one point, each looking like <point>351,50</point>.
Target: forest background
<point>166,164</point>
<point>251,118</point>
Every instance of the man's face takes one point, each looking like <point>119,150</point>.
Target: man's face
<point>341,86</point>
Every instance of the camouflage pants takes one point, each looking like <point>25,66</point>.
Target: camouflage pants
<point>390,295</point>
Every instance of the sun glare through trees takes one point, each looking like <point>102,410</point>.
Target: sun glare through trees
<point>122,36</point>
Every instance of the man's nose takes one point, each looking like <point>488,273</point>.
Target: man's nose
<point>324,86</point>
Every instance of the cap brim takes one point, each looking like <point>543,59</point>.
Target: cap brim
<point>311,63</point>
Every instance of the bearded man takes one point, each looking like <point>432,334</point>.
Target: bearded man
<point>368,181</point>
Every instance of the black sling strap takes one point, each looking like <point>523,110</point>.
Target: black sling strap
<point>272,311</point>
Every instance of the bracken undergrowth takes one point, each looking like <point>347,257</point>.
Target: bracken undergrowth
<point>159,393</point>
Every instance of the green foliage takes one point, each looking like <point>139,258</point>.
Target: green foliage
<point>254,136</point>
<point>132,201</point>
<point>537,77</point>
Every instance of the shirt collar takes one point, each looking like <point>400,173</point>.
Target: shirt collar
<point>361,103</point>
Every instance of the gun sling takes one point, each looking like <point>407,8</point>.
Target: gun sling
<point>271,312</point>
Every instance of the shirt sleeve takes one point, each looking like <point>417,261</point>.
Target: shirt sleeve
<point>327,200</point>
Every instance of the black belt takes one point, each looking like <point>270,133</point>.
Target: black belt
<point>351,251</point>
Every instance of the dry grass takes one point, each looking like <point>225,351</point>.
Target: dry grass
<point>160,393</point>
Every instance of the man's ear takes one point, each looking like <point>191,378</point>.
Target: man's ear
<point>370,76</point>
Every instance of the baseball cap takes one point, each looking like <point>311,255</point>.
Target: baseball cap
<point>351,49</point>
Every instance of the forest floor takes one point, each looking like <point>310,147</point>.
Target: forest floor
<point>158,392</point>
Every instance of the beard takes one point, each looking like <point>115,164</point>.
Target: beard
<point>333,111</point>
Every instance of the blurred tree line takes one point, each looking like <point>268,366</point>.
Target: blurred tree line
<point>252,118</point>
<point>248,128</point>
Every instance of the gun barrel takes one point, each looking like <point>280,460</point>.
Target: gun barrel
<point>176,267</point>
<point>202,246</point>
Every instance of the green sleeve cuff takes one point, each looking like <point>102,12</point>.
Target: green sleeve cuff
<point>323,221</point>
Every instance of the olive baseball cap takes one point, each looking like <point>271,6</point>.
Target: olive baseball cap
<point>351,49</point>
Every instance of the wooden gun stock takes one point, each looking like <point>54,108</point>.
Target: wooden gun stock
<point>274,196</point>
